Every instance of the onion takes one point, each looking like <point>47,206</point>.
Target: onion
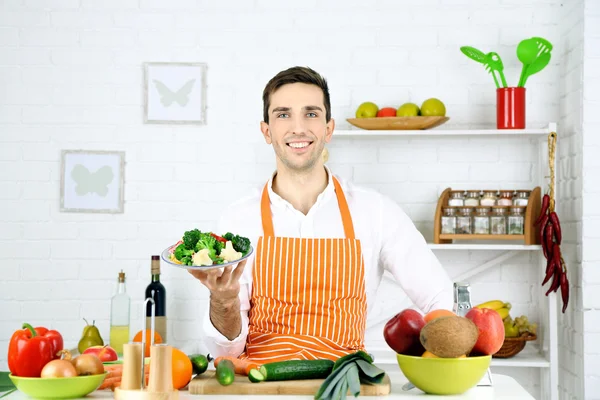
<point>58,369</point>
<point>88,364</point>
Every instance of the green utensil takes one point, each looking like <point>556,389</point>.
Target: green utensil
<point>493,63</point>
<point>536,66</point>
<point>473,53</point>
<point>528,51</point>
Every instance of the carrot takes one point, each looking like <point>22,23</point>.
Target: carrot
<point>241,367</point>
<point>113,379</point>
<point>108,382</point>
<point>114,370</point>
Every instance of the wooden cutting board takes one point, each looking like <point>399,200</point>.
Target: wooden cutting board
<point>206,383</point>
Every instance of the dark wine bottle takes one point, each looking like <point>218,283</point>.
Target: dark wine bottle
<point>156,290</point>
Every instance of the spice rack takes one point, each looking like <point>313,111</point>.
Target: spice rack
<point>530,234</point>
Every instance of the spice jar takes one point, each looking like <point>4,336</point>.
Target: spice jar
<point>472,199</point>
<point>464,221</point>
<point>481,220</point>
<point>457,198</point>
<point>498,220</point>
<point>489,198</point>
<point>516,220</point>
<point>449,221</point>
<point>521,198</point>
<point>505,198</point>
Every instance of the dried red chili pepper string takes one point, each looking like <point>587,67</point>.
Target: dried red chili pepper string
<point>550,235</point>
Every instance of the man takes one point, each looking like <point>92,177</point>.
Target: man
<point>321,245</point>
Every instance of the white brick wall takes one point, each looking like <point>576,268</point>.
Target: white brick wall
<point>589,255</point>
<point>71,77</point>
<point>569,176</point>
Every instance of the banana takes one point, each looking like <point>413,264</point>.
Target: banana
<point>493,304</point>
<point>504,312</point>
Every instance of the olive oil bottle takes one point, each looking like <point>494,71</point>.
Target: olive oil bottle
<point>119,316</point>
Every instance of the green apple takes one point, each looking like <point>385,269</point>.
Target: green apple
<point>433,107</point>
<point>367,110</point>
<point>408,110</point>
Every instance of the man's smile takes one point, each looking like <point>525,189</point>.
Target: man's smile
<point>299,145</point>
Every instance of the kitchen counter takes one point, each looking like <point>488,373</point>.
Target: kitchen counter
<point>504,387</point>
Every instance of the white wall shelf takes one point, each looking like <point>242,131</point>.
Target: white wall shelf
<point>529,357</point>
<point>358,133</point>
<point>485,246</point>
<point>543,353</point>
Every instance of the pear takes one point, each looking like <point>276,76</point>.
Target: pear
<point>90,337</point>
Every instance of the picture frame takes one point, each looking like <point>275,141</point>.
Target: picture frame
<point>175,93</point>
<point>92,181</point>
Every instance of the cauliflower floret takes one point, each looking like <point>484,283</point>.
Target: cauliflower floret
<point>201,258</point>
<point>229,254</point>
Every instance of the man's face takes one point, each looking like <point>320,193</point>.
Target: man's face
<point>297,126</point>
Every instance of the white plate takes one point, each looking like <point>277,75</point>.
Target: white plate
<point>166,256</point>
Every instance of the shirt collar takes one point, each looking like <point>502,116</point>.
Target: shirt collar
<point>324,196</point>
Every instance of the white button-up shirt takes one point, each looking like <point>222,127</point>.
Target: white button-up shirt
<point>389,239</point>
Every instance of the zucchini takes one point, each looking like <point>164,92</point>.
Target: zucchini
<point>225,373</point>
<point>296,369</point>
<point>255,376</point>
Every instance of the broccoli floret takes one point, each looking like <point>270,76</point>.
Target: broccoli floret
<point>190,238</point>
<point>219,246</point>
<point>181,252</point>
<point>218,260</point>
<point>241,244</point>
<point>187,260</point>
<point>207,241</point>
<point>228,236</point>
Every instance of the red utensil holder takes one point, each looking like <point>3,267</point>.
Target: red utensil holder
<point>510,108</point>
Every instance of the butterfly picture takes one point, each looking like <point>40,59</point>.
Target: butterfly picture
<point>92,182</point>
<point>175,93</point>
<point>180,96</point>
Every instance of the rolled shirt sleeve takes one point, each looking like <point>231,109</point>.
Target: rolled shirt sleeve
<point>405,254</point>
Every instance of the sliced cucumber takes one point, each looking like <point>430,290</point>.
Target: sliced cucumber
<point>296,369</point>
<point>255,376</point>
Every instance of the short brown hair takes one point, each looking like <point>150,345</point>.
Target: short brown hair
<point>296,75</point>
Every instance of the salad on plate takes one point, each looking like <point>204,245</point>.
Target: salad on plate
<point>207,249</point>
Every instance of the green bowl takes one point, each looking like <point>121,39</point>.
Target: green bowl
<point>58,388</point>
<point>444,375</point>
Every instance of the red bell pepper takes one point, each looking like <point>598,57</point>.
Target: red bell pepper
<point>29,350</point>
<point>219,238</point>
<point>55,338</point>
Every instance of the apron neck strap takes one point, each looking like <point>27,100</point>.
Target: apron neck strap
<point>267,218</point>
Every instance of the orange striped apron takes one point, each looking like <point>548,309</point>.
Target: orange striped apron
<point>308,298</point>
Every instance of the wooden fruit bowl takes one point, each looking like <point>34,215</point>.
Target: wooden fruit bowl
<point>398,123</point>
<point>513,345</point>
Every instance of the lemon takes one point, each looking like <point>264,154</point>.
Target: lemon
<point>433,107</point>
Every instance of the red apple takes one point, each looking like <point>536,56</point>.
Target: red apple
<point>491,330</point>
<point>402,332</point>
<point>104,353</point>
<point>386,112</point>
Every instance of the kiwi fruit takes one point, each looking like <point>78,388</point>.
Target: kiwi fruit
<point>449,336</point>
